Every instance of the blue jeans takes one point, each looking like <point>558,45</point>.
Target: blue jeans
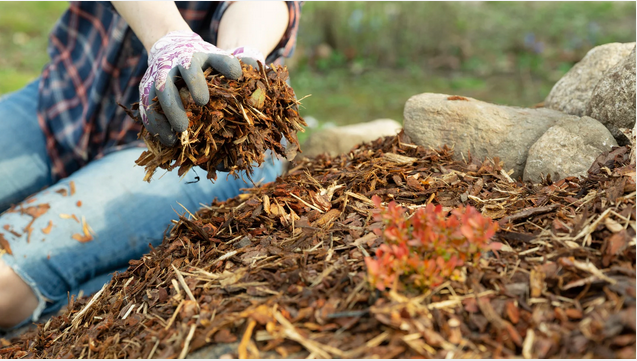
<point>124,212</point>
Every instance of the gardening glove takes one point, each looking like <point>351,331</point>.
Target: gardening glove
<point>248,55</point>
<point>181,53</point>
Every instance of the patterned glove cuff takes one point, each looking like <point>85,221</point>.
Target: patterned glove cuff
<point>247,52</point>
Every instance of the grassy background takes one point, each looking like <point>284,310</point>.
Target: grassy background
<point>24,27</point>
<point>362,60</point>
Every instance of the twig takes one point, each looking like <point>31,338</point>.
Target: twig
<point>323,274</point>
<point>528,213</point>
<point>224,257</point>
<point>528,344</point>
<point>172,319</point>
<point>307,204</point>
<point>186,209</point>
<point>290,332</point>
<point>348,314</point>
<point>242,350</point>
<point>184,285</point>
<point>152,352</point>
<point>76,319</point>
<point>359,197</point>
<point>128,312</point>
<point>184,351</point>
<point>587,267</point>
<point>374,342</point>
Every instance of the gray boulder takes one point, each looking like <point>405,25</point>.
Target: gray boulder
<point>567,149</point>
<point>470,125</point>
<point>613,99</point>
<point>339,140</point>
<point>571,93</point>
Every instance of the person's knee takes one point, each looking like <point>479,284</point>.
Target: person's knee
<point>17,300</point>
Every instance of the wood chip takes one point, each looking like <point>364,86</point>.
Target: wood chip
<point>47,229</point>
<point>5,244</point>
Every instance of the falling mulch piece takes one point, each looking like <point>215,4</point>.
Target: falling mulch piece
<point>47,229</point>
<point>35,212</point>
<point>82,238</point>
<point>4,244</point>
<point>86,236</point>
<point>62,191</point>
<point>243,119</point>
<point>78,204</point>
<point>10,230</point>
<point>562,285</point>
<point>69,216</point>
<point>72,187</point>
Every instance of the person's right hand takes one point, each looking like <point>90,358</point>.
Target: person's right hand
<point>248,55</point>
<point>181,53</point>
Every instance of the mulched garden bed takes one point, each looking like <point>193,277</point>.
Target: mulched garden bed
<point>280,270</point>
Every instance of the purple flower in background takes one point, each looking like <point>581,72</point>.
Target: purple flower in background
<point>355,20</point>
<point>529,40</point>
<point>531,43</point>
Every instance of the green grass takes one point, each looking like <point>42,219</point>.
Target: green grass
<point>340,97</point>
<point>24,29</point>
<point>391,52</point>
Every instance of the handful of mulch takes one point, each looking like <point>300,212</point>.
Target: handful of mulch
<point>243,119</point>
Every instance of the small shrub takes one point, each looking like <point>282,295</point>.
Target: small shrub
<point>427,248</point>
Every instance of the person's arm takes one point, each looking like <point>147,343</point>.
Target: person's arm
<point>151,20</point>
<point>253,28</point>
<point>256,24</point>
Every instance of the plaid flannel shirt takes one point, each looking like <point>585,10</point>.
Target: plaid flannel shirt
<point>97,62</point>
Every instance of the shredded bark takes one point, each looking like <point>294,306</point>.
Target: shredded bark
<point>279,271</point>
<point>4,245</point>
<point>242,121</point>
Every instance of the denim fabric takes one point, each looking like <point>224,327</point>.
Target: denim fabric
<point>124,212</point>
<point>25,166</point>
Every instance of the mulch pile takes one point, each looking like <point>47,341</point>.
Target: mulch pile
<point>243,119</point>
<point>279,270</point>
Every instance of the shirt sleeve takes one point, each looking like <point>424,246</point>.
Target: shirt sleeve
<point>285,48</point>
<point>108,5</point>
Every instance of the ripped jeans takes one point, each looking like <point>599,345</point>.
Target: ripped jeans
<point>52,252</point>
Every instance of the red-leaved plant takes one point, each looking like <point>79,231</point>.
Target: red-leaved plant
<point>427,248</point>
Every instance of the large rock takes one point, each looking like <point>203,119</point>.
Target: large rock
<point>485,130</point>
<point>339,140</point>
<point>613,99</point>
<point>571,93</point>
<point>568,148</point>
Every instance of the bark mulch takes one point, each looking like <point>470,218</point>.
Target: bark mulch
<point>242,120</point>
<point>280,270</point>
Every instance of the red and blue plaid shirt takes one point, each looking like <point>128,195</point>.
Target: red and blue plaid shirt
<point>97,62</point>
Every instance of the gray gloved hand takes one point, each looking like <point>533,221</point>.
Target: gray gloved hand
<point>179,53</point>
